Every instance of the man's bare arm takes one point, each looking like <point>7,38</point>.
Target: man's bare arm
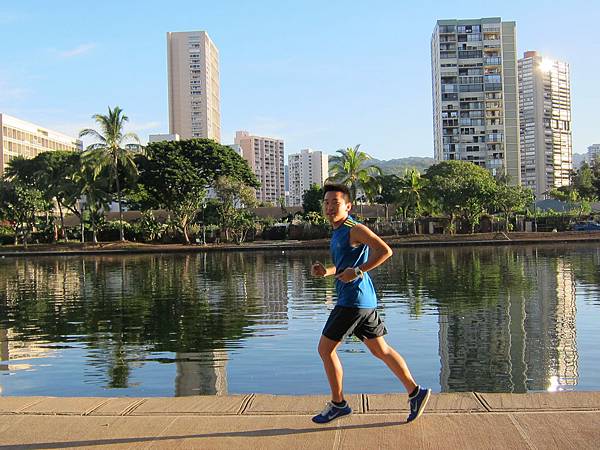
<point>379,250</point>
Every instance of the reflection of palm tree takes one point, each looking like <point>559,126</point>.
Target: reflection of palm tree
<point>119,371</point>
<point>111,151</point>
<point>350,168</point>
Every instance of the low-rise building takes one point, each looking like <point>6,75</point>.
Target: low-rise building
<point>26,139</point>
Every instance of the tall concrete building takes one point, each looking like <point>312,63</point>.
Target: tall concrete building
<point>474,84</point>
<point>194,90</point>
<point>25,139</point>
<point>545,123</point>
<point>265,157</point>
<point>593,153</point>
<point>305,169</point>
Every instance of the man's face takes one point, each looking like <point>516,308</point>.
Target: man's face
<point>335,206</point>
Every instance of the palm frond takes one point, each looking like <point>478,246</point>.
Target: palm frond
<point>93,133</point>
<point>131,136</point>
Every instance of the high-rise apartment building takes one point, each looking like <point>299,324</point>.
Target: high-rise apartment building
<point>593,153</point>
<point>194,90</point>
<point>25,139</point>
<point>305,169</point>
<point>474,84</point>
<point>545,123</point>
<point>265,157</point>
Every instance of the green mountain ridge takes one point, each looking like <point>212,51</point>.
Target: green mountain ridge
<point>399,166</point>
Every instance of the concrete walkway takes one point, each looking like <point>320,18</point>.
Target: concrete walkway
<point>452,421</point>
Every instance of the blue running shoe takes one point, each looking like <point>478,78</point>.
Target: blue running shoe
<point>332,412</point>
<point>418,403</point>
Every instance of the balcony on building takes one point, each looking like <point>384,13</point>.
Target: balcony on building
<point>492,61</point>
<point>447,29</point>
<point>494,137</point>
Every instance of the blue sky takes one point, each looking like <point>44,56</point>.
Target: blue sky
<point>317,74</point>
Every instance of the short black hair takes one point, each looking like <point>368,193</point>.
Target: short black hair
<point>336,187</point>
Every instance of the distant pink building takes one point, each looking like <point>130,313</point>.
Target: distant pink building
<point>265,157</point>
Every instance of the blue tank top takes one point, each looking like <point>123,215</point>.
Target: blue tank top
<point>358,293</point>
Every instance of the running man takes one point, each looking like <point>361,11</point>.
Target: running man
<point>356,250</point>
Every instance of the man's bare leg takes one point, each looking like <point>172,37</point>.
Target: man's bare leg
<point>394,361</point>
<point>333,367</point>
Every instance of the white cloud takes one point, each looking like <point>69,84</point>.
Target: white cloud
<point>77,51</point>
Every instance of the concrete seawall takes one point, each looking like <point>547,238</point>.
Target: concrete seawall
<point>467,420</point>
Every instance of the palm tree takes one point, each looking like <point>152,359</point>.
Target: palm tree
<point>349,168</point>
<point>111,150</point>
<point>95,189</point>
<point>411,190</point>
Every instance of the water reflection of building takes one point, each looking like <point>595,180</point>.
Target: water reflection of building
<point>4,351</point>
<point>523,341</point>
<point>14,352</point>
<point>298,271</point>
<point>270,276</point>
<point>258,283</point>
<point>302,286</point>
<point>201,373</point>
<point>475,349</point>
<point>550,327</point>
<point>59,279</point>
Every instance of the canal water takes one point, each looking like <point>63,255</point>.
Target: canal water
<point>488,319</point>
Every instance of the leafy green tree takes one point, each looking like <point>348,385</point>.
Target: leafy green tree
<point>19,205</point>
<point>112,150</point>
<point>26,173</point>
<point>460,188</point>
<point>583,182</point>
<point>508,199</point>
<point>177,174</point>
<point>136,197</point>
<point>52,174</point>
<point>595,167</point>
<point>583,189</point>
<point>312,199</point>
<point>390,191</point>
<point>22,170</point>
<point>573,198</point>
<point>235,195</point>
<point>349,168</point>
<point>56,173</point>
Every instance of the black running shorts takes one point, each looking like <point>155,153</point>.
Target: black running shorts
<point>364,323</point>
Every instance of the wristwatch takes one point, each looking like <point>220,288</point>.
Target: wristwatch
<point>359,273</point>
